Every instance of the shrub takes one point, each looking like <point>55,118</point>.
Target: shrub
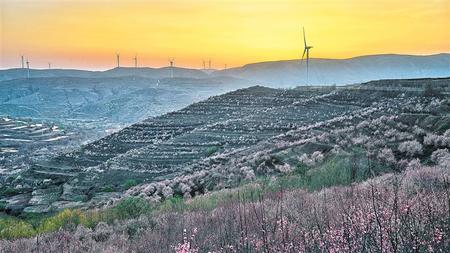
<point>440,156</point>
<point>300,169</point>
<point>211,150</point>
<point>130,183</point>
<point>411,148</point>
<point>313,159</point>
<point>12,228</point>
<point>387,155</point>
<point>335,171</point>
<point>131,207</point>
<point>109,188</point>
<point>174,203</point>
<point>66,218</point>
<point>102,232</point>
<point>8,191</point>
<point>2,205</point>
<point>167,192</point>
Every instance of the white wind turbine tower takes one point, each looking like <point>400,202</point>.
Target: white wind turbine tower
<point>118,59</point>
<point>171,61</point>
<point>135,61</point>
<point>306,51</point>
<point>28,69</point>
<point>23,65</point>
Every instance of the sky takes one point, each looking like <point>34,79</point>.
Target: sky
<point>87,34</point>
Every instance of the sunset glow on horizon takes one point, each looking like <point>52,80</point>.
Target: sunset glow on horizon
<point>87,34</point>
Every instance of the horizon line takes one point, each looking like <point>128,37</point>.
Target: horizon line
<point>217,69</point>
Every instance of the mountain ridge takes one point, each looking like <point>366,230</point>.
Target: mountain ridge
<point>282,73</point>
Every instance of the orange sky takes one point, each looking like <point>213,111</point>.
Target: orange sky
<point>86,34</point>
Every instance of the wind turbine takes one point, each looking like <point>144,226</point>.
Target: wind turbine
<point>135,61</point>
<point>23,66</point>
<point>118,59</point>
<point>204,64</point>
<point>49,65</point>
<point>171,61</point>
<point>306,51</point>
<point>28,69</point>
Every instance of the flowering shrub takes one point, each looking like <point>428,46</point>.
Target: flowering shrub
<point>313,159</point>
<point>186,245</point>
<point>437,140</point>
<point>390,213</point>
<point>387,155</point>
<point>410,148</point>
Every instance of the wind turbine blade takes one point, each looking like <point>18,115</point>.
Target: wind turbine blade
<point>304,36</point>
<point>304,52</point>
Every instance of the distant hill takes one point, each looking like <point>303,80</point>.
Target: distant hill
<point>282,73</point>
<point>345,71</point>
<point>156,73</point>
<point>121,99</point>
<point>18,73</point>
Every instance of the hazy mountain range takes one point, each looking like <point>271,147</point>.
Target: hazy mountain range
<point>281,73</point>
<point>345,71</point>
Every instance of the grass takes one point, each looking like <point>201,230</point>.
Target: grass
<point>107,188</point>
<point>13,227</point>
<point>335,170</point>
<point>212,150</point>
<point>130,183</point>
<point>2,205</point>
<point>8,191</point>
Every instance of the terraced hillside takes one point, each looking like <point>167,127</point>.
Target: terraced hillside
<point>218,142</point>
<point>94,107</point>
<point>25,141</point>
<point>120,100</point>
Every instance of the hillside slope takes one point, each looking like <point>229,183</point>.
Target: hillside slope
<point>218,142</point>
<point>118,100</point>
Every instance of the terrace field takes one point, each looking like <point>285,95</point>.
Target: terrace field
<point>362,168</point>
<point>239,136</point>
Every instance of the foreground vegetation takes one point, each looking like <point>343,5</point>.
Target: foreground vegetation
<point>373,180</point>
<point>334,171</point>
<point>403,212</point>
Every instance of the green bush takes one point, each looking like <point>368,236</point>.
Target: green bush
<point>8,191</point>
<point>66,218</point>
<point>131,207</point>
<point>109,188</point>
<point>212,150</point>
<point>130,183</point>
<point>339,169</point>
<point>175,203</point>
<point>336,171</point>
<point>11,228</point>
<point>301,169</point>
<point>2,205</point>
